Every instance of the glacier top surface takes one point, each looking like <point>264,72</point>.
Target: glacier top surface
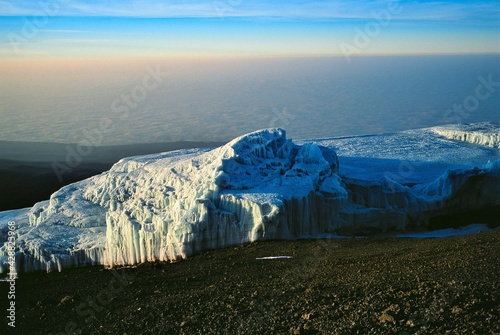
<point>412,156</point>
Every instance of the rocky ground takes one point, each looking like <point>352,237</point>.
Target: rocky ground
<point>342,286</point>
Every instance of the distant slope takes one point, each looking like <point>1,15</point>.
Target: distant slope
<point>49,152</point>
<point>22,184</point>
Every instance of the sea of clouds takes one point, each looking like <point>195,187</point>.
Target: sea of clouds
<point>217,100</point>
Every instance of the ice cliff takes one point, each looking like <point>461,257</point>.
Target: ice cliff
<point>259,186</point>
<point>484,133</point>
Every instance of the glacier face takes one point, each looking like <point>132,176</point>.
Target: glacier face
<point>259,186</point>
<point>483,133</point>
<point>166,210</point>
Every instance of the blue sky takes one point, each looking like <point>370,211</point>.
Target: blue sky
<point>64,28</point>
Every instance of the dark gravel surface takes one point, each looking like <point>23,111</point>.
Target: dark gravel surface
<point>350,286</point>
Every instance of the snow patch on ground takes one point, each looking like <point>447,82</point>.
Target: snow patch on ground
<point>274,257</point>
<point>470,229</point>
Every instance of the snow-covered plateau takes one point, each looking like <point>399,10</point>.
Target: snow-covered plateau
<point>260,186</point>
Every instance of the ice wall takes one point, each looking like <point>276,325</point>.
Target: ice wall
<point>384,205</point>
<point>259,186</point>
<point>486,133</point>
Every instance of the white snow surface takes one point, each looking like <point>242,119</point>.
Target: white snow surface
<point>274,257</point>
<point>259,186</point>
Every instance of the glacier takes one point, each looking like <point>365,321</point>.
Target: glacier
<point>260,186</point>
<point>483,133</point>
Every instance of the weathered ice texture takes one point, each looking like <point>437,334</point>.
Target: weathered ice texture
<point>259,186</point>
<point>486,133</point>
